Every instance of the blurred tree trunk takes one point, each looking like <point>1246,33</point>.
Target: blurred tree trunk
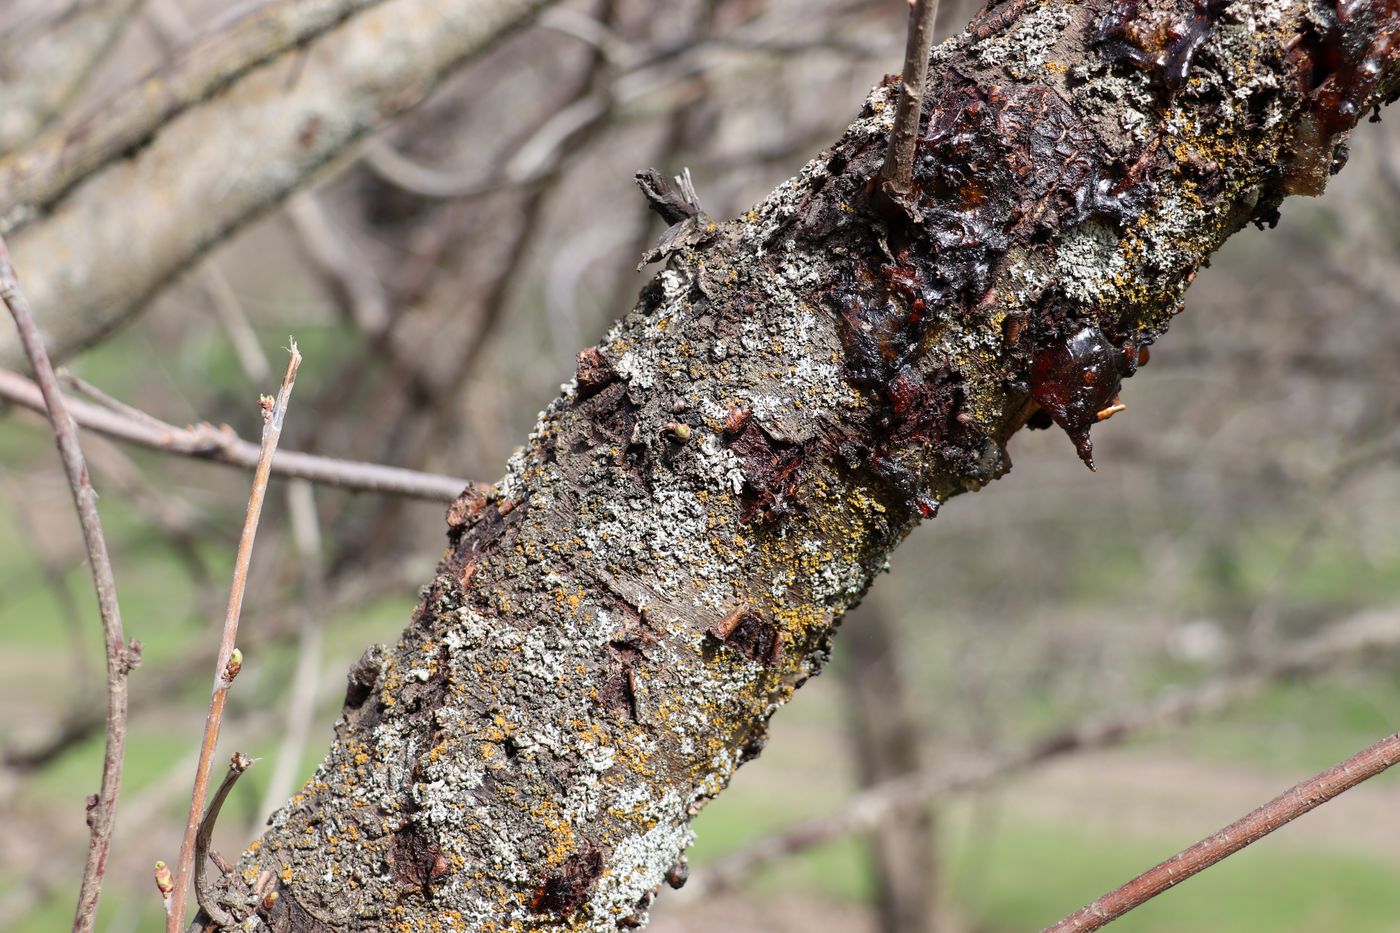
<point>887,744</point>
<point>610,630</point>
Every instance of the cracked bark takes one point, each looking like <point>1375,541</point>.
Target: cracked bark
<point>611,628</point>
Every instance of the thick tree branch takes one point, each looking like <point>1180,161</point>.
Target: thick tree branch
<point>44,65</point>
<point>116,239</point>
<point>666,559</point>
<point>34,179</point>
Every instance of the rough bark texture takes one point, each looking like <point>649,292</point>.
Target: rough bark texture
<point>666,559</point>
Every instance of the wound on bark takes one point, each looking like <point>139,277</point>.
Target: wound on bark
<point>566,891</point>
<point>748,633</point>
<point>1156,40</point>
<point>416,860</point>
<point>1075,380</point>
<point>594,372</point>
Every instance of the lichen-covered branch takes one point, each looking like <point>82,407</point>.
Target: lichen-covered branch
<point>668,556</point>
<point>116,239</point>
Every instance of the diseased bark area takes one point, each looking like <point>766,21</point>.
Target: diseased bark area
<point>666,559</point>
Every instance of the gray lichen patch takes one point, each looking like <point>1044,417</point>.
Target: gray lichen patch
<point>1025,49</point>
<point>1088,261</point>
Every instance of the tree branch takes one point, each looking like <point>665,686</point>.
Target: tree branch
<point>34,179</point>
<point>1279,812</point>
<point>666,558</point>
<point>121,657</point>
<point>230,660</point>
<point>220,445</point>
<point>48,64</point>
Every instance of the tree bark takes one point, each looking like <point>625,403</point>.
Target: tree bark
<point>667,558</point>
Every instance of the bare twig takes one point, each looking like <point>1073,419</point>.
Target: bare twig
<point>220,445</point>
<point>1363,636</point>
<point>204,892</point>
<point>230,660</point>
<point>121,657</point>
<point>897,174</point>
<point>1283,809</point>
<point>83,387</point>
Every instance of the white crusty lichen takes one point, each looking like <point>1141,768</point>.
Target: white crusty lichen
<point>1087,262</point>
<point>1024,50</point>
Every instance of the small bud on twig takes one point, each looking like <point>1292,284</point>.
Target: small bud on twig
<point>234,665</point>
<point>165,882</point>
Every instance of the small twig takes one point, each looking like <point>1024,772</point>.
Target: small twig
<point>121,657</point>
<point>204,893</point>
<point>897,174</point>
<point>230,659</point>
<point>1283,809</point>
<point>220,445</point>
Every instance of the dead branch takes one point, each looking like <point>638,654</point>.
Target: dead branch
<point>1282,810</point>
<point>121,657</point>
<point>220,445</point>
<point>230,660</point>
